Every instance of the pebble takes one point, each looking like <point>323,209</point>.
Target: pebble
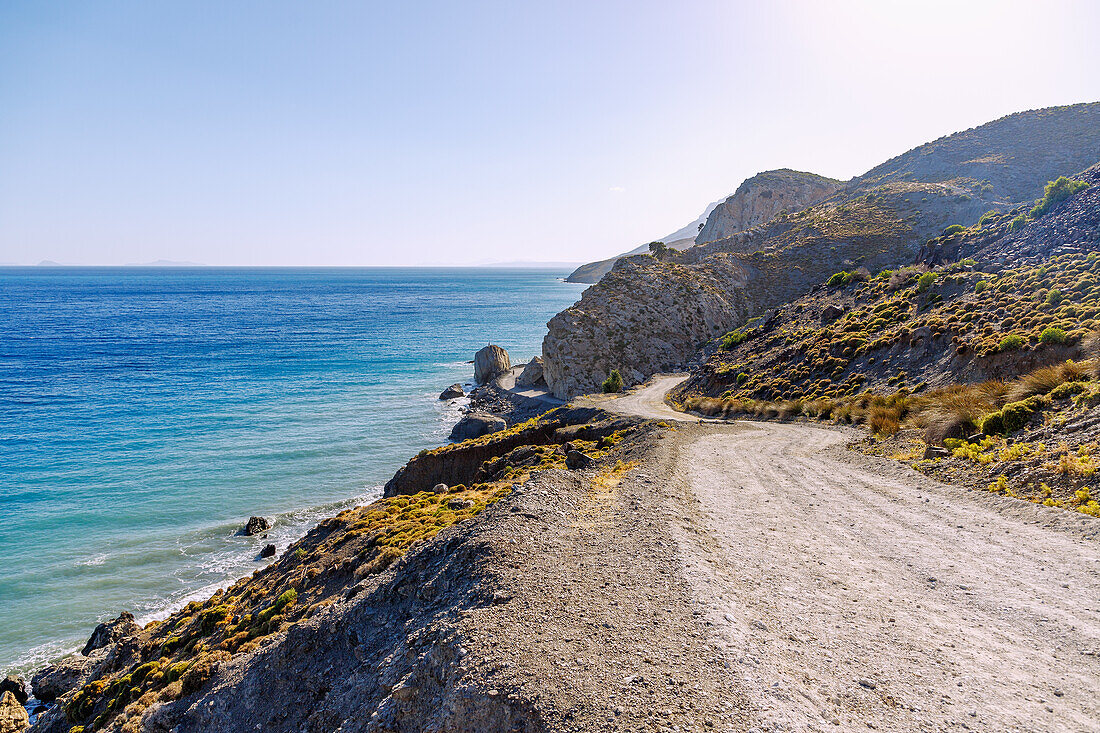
<point>869,684</point>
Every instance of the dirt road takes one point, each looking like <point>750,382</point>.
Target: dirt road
<point>851,591</point>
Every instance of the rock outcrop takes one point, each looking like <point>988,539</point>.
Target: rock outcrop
<point>642,317</point>
<point>53,681</point>
<point>453,392</point>
<point>758,199</point>
<point>16,686</point>
<point>13,716</point>
<point>489,362</point>
<point>476,424</point>
<point>255,525</point>
<point>110,632</point>
<point>531,374</point>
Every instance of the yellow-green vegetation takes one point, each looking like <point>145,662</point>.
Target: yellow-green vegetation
<point>1012,312</point>
<point>614,382</point>
<point>951,416</point>
<point>179,655</point>
<point>1056,192</point>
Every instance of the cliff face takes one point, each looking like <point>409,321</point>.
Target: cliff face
<point>643,316</point>
<point>761,197</point>
<point>878,220</point>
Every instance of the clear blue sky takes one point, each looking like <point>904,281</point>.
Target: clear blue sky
<point>331,133</point>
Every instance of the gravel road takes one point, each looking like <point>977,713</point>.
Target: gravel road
<point>850,591</point>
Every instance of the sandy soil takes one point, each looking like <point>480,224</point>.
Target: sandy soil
<point>851,591</point>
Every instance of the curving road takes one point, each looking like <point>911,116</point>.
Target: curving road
<point>851,591</point>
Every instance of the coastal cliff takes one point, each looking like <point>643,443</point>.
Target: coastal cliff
<point>758,199</point>
<point>644,316</point>
<point>879,220</point>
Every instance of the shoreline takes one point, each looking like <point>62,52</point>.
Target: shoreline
<point>499,399</point>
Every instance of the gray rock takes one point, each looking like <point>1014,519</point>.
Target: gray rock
<point>453,392</point>
<point>16,686</point>
<point>574,459</point>
<point>13,716</point>
<point>490,362</point>
<point>255,525</point>
<point>109,632</point>
<point>268,551</point>
<point>831,313</point>
<point>55,680</point>
<point>476,424</point>
<point>531,374</point>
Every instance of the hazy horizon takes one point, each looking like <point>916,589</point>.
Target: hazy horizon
<point>345,134</point>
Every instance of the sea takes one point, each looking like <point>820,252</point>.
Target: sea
<point>146,413</point>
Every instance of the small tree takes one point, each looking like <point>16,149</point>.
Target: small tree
<point>658,249</point>
<point>614,382</point>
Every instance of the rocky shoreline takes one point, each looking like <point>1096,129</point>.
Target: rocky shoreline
<point>492,408</point>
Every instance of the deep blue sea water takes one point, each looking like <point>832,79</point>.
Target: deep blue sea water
<point>146,413</point>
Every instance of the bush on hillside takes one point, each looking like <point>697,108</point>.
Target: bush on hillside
<point>1052,335</point>
<point>981,286</point>
<point>1010,342</point>
<point>1055,193</point>
<point>924,282</point>
<point>614,382</point>
<point>953,229</point>
<point>733,338</point>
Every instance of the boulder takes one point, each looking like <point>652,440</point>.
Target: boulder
<point>830,313</point>
<point>13,716</point>
<point>574,459</point>
<point>110,632</point>
<point>531,374</point>
<point>453,392</point>
<point>476,424</point>
<point>490,362</point>
<point>255,525</point>
<point>55,680</point>
<point>268,551</point>
<point>16,686</point>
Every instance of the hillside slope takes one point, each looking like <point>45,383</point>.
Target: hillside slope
<point>758,199</point>
<point>682,238</point>
<point>880,220</point>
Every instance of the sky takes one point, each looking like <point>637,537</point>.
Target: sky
<point>361,133</point>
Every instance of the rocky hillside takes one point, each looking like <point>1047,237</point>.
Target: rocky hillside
<point>377,619</point>
<point>682,238</point>
<point>758,199</point>
<point>880,220</point>
<point>986,348</point>
<point>643,317</point>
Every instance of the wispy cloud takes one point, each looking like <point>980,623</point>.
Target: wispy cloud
<point>617,189</point>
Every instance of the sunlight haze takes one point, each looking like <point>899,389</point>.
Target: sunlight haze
<point>371,134</point>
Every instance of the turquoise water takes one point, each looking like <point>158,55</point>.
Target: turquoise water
<point>146,413</point>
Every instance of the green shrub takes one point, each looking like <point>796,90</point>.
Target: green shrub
<point>987,216</point>
<point>1052,335</point>
<point>1055,193</point>
<point>1013,416</point>
<point>733,338</point>
<point>742,378</point>
<point>925,281</point>
<point>1054,297</point>
<point>1068,389</point>
<point>953,229</point>
<point>614,382</point>
<point>981,286</point>
<point>1019,222</point>
<point>839,279</point>
<point>1010,342</point>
